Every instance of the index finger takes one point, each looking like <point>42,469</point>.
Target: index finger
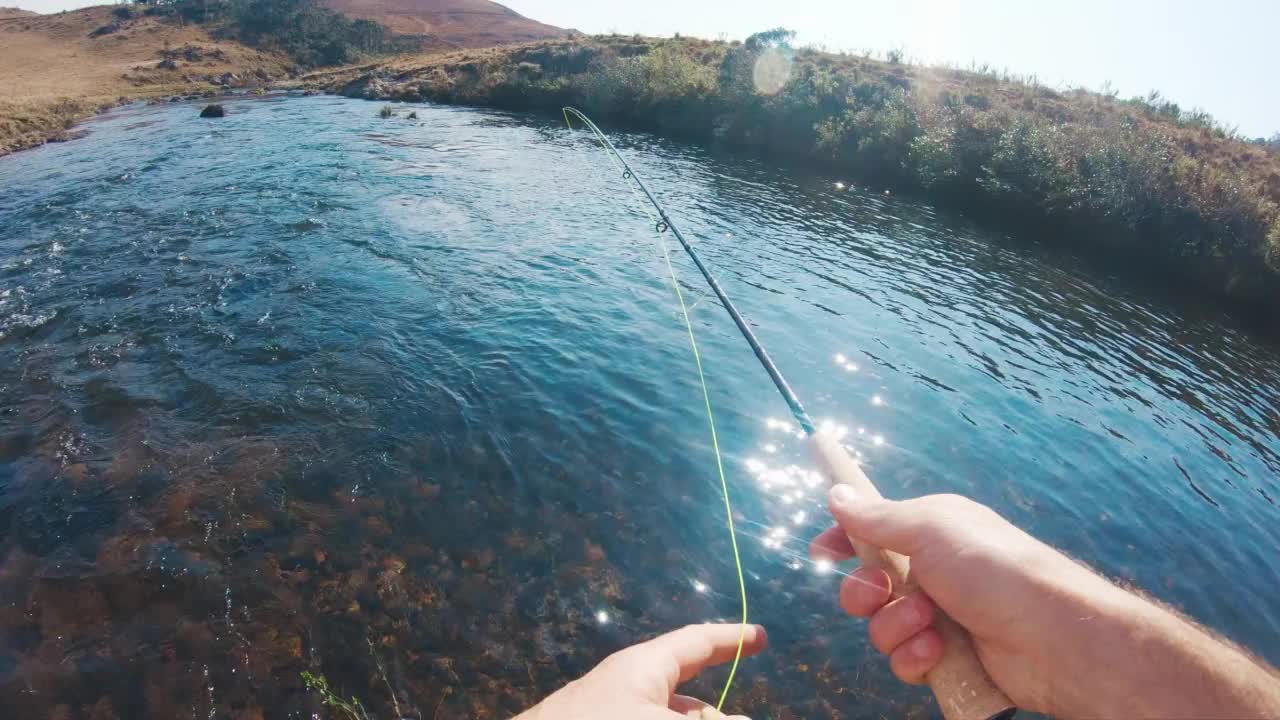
<point>833,544</point>
<point>690,650</point>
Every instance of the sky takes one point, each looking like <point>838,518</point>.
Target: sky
<point>1221,56</point>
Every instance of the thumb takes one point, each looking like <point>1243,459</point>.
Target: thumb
<point>901,526</point>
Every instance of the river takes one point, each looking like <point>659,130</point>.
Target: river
<point>409,404</point>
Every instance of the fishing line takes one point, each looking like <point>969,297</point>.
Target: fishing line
<point>661,224</point>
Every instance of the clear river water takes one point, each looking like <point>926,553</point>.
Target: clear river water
<point>409,404</point>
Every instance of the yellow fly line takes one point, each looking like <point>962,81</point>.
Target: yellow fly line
<point>706,397</point>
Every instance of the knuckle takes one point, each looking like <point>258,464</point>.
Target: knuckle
<point>862,593</point>
<point>615,660</point>
<point>905,669</point>
<point>954,502</point>
<point>908,678</point>
<point>878,633</point>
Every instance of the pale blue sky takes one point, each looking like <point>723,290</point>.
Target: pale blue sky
<point>1223,56</point>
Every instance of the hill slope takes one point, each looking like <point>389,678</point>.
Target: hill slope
<point>7,12</point>
<point>52,72</point>
<point>459,23</point>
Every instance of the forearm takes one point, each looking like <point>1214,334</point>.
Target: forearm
<point>1145,661</point>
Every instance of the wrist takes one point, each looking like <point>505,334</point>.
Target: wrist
<point>1136,658</point>
<point>1091,625</point>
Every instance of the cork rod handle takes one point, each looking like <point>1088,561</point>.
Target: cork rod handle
<point>959,682</point>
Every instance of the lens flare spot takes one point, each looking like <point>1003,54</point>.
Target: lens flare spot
<point>772,70</point>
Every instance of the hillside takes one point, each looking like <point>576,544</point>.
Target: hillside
<point>47,56</point>
<point>1142,178</point>
<point>457,23</point>
<point>58,69</point>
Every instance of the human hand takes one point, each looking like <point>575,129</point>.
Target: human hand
<point>1053,635</point>
<point>639,683</point>
<point>1022,601</point>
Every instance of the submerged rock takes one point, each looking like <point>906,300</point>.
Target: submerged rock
<point>213,111</point>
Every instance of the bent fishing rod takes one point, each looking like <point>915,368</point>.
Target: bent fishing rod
<point>959,682</point>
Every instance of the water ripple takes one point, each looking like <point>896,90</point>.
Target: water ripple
<point>307,383</point>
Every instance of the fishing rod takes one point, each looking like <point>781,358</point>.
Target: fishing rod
<point>959,682</point>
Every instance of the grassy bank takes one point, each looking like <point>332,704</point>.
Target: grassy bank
<point>58,69</point>
<point>28,123</point>
<point>1142,177</point>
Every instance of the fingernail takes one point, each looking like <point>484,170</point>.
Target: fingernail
<point>843,495</point>
<point>922,647</point>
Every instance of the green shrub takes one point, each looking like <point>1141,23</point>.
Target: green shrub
<point>668,73</point>
<point>1030,166</point>
<point>933,157</point>
<point>612,86</point>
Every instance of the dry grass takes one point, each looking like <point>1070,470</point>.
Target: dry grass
<point>26,123</point>
<point>52,73</point>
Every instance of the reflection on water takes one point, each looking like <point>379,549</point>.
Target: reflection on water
<point>409,405</point>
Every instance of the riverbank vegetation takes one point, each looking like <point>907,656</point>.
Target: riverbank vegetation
<point>1142,176</point>
<point>28,123</point>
